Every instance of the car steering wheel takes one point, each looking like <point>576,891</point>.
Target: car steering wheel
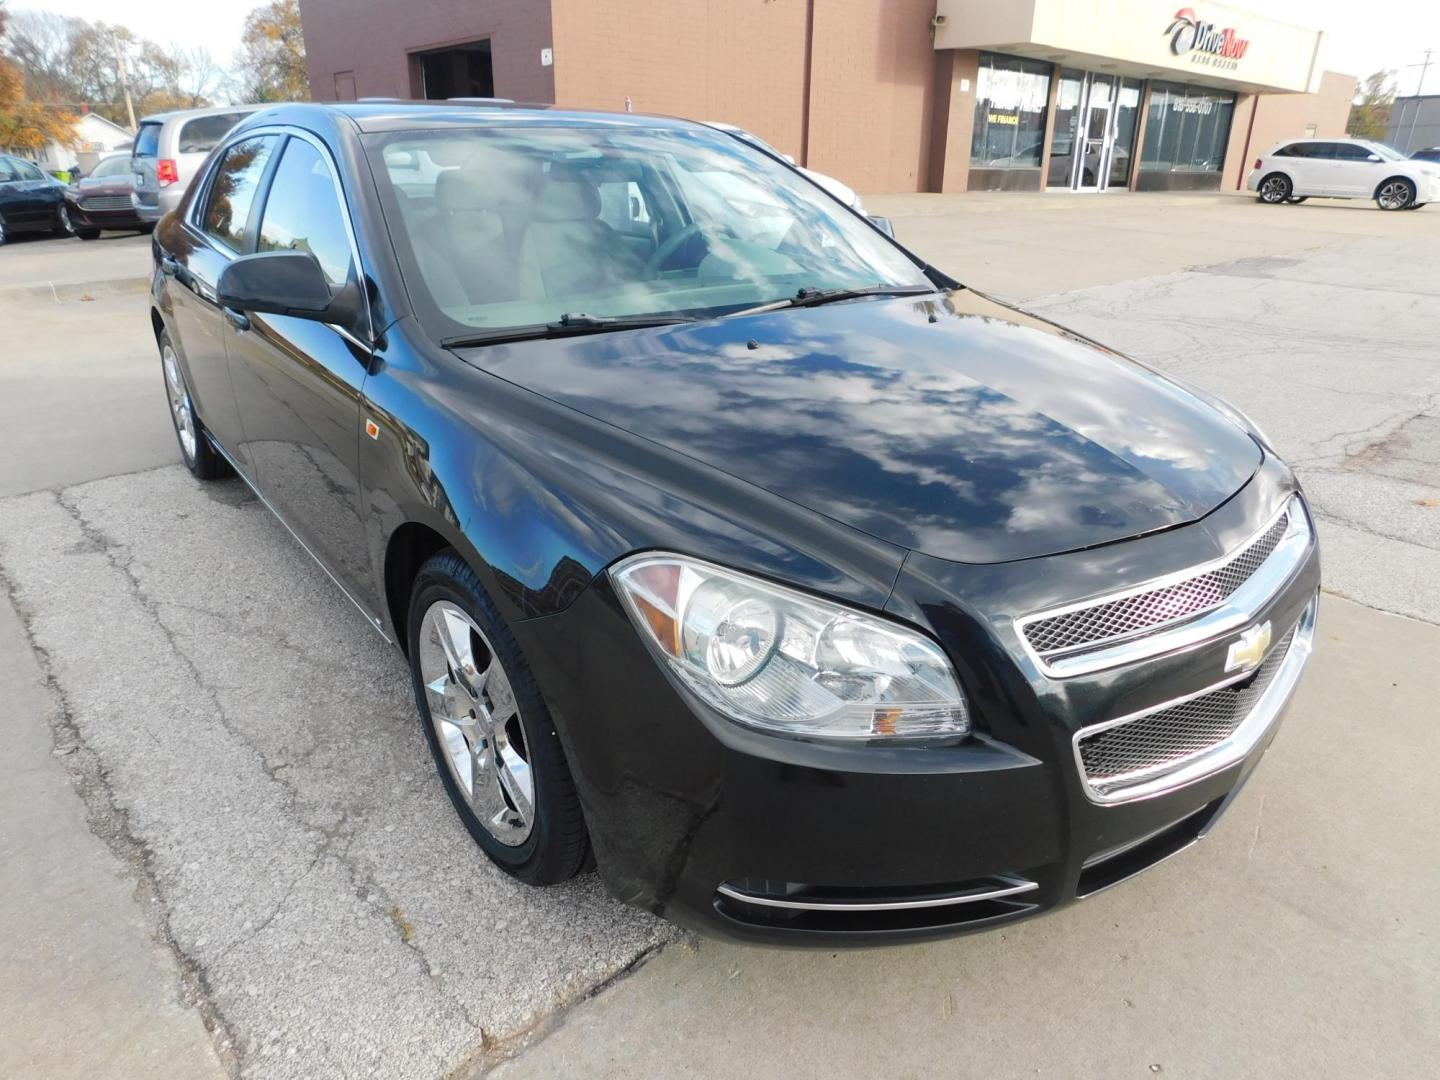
<point>668,248</point>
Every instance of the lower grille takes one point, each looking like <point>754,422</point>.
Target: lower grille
<point>106,202</point>
<point>1154,744</point>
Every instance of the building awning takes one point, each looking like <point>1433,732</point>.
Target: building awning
<point>1205,44</point>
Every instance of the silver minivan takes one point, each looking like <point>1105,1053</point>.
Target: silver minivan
<point>168,150</point>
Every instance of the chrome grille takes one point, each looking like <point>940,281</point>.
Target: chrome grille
<point>106,202</point>
<point>1164,739</point>
<point>1114,620</point>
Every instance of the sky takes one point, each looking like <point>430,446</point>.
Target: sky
<point>1361,35</point>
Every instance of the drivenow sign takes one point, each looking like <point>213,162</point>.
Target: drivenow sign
<point>1205,43</point>
<point>1218,44</point>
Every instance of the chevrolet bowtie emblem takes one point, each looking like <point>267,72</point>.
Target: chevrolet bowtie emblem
<point>1247,653</point>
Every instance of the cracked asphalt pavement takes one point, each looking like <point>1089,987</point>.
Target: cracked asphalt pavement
<point>244,756</point>
<point>261,742</point>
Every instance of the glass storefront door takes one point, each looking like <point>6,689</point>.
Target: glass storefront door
<point>1092,145</point>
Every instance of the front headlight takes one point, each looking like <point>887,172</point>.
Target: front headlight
<point>779,660</point>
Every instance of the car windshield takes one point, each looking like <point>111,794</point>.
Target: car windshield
<point>510,227</point>
<point>112,166</point>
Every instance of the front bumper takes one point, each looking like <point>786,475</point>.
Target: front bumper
<point>105,219</point>
<point>742,834</point>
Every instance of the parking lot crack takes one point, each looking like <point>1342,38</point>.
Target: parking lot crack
<point>109,822</point>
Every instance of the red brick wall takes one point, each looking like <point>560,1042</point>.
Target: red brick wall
<point>871,72</point>
<point>739,61</point>
<point>871,92</point>
<point>373,40</point>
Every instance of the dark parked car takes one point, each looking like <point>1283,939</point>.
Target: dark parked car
<point>30,200</point>
<point>1432,154</point>
<point>101,200</point>
<point>815,595</point>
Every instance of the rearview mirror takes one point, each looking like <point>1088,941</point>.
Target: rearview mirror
<point>287,283</point>
<point>883,224</point>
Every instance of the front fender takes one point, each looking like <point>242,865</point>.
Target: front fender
<point>540,498</point>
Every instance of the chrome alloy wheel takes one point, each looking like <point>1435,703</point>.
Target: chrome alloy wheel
<point>65,222</point>
<point>181,410</point>
<point>1274,189</point>
<point>477,721</point>
<point>1394,195</point>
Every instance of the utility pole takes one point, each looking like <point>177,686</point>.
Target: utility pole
<point>1419,90</point>
<point>124,82</point>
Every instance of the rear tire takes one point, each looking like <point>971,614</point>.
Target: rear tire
<point>489,730</point>
<point>63,225</point>
<point>88,234</point>
<point>1275,189</point>
<point>199,456</point>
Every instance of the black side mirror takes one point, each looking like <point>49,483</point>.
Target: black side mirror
<point>287,283</point>
<point>883,224</point>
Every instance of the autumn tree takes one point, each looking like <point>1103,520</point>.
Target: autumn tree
<point>27,124</point>
<point>272,54</point>
<point>1370,116</point>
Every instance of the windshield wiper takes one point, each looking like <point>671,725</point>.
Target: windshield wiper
<point>807,296</point>
<point>570,324</point>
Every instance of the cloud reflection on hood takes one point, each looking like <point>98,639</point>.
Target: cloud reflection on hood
<point>981,437</point>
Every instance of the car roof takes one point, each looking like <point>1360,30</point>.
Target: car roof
<point>385,115</point>
<point>210,110</point>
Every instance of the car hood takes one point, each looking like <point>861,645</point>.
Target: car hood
<point>106,185</point>
<point>952,425</point>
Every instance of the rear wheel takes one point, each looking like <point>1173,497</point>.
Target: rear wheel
<point>2,232</point>
<point>1275,189</point>
<point>202,459</point>
<point>1397,194</point>
<point>489,730</point>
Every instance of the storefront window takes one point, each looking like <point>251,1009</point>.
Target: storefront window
<point>1010,98</point>
<point>1186,129</point>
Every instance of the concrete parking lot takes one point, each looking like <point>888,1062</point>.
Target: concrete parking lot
<point>226,851</point>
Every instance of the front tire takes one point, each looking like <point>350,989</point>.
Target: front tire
<point>489,730</point>
<point>1275,189</point>
<point>88,234</point>
<point>1397,194</point>
<point>202,459</point>
<point>1296,200</point>
<point>63,225</point>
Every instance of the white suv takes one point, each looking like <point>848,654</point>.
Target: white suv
<point>1344,169</point>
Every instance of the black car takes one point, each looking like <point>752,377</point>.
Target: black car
<point>30,200</point>
<point>100,200</point>
<point>1432,154</point>
<point>813,595</point>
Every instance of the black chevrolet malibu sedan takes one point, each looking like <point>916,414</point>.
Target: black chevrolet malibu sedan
<point>811,594</point>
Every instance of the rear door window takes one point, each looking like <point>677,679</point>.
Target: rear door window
<point>200,135</point>
<point>147,141</point>
<point>233,187</point>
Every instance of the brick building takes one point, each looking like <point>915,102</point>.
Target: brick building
<point>888,95</point>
